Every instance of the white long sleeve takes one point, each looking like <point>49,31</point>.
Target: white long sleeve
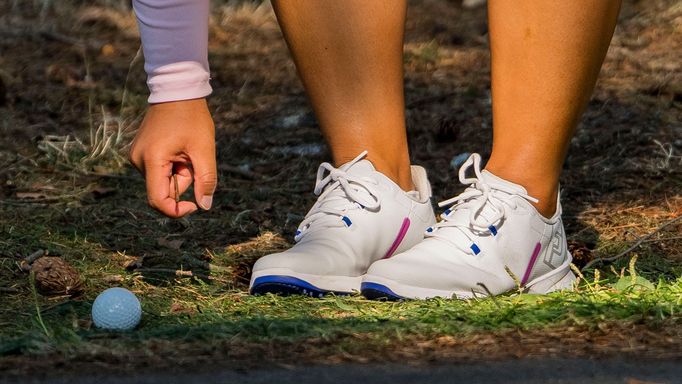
<point>175,44</point>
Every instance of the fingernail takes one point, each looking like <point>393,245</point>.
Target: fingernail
<point>206,202</point>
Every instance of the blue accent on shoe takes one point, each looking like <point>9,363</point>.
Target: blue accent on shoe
<point>298,232</point>
<point>347,221</point>
<point>288,285</point>
<point>447,211</point>
<point>476,249</point>
<point>429,229</point>
<point>492,230</point>
<point>374,291</point>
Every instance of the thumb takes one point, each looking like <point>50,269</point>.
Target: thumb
<point>205,178</point>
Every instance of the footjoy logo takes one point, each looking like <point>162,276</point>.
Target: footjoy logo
<point>556,251</point>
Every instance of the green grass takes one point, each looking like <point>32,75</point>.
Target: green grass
<point>192,310</point>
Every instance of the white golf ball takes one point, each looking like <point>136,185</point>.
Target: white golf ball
<point>116,309</point>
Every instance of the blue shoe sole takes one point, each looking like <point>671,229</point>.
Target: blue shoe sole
<point>374,291</point>
<point>288,285</point>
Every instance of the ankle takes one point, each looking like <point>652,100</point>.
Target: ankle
<point>543,188</point>
<point>400,174</point>
<point>404,179</point>
<point>395,168</point>
<point>546,205</point>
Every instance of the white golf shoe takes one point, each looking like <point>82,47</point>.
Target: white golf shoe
<point>490,240</point>
<point>361,216</point>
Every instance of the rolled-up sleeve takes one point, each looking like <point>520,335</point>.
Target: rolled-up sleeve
<point>174,37</point>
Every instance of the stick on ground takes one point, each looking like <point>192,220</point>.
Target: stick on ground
<point>633,247</point>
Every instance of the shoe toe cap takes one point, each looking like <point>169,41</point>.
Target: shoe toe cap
<point>298,262</point>
<point>412,269</point>
<point>434,271</point>
<point>316,262</point>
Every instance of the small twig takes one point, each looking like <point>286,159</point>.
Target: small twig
<point>181,273</point>
<point>35,256</point>
<point>177,190</point>
<point>176,272</point>
<point>633,247</point>
<point>663,239</point>
<point>8,290</point>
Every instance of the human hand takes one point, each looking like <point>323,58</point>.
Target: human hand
<point>174,147</point>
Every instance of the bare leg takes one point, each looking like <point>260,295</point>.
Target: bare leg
<point>546,56</point>
<point>349,56</point>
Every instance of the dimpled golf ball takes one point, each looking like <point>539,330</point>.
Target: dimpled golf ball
<point>116,309</point>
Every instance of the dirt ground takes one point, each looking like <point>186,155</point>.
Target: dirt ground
<point>72,91</point>
<point>67,74</point>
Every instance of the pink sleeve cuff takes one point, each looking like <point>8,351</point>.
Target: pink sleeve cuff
<point>178,81</point>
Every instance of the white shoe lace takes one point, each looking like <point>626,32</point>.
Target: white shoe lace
<point>475,198</point>
<point>339,192</point>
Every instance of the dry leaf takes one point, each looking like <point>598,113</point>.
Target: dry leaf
<point>113,278</point>
<point>132,262</point>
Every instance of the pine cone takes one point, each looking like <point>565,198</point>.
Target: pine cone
<point>54,276</point>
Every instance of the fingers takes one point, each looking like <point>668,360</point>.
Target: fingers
<point>205,177</point>
<point>158,177</point>
<point>179,134</point>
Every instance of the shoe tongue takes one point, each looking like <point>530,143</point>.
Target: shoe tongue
<point>502,184</point>
<point>488,211</point>
<point>362,168</point>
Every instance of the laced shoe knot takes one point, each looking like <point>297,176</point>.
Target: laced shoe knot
<point>484,201</point>
<point>339,192</point>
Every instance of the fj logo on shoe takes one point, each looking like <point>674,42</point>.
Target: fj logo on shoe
<point>556,250</point>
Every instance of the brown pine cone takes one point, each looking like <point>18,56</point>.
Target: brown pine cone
<point>54,276</point>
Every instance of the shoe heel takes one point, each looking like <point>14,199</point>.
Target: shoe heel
<point>550,284</point>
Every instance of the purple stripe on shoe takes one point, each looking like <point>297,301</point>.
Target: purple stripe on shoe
<point>533,258</point>
<point>399,238</point>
